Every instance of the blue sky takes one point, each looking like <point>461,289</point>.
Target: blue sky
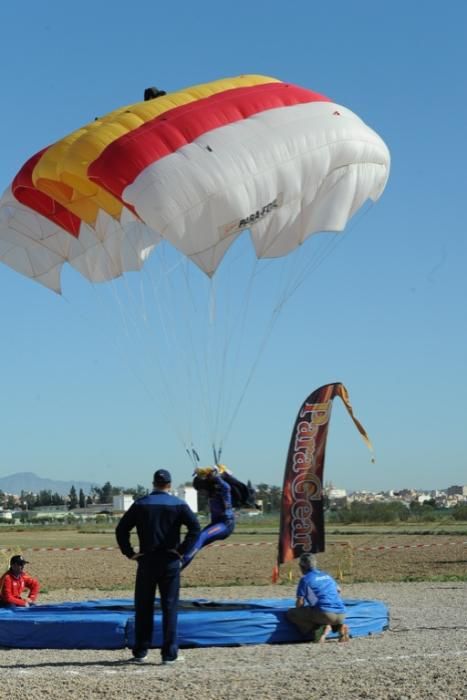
<point>384,313</point>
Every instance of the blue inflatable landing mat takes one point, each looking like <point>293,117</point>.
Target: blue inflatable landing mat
<point>109,624</point>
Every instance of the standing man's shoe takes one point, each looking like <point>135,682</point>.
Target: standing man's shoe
<point>169,662</point>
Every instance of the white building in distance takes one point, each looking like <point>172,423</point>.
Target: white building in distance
<point>122,501</point>
<point>190,495</point>
<point>337,493</point>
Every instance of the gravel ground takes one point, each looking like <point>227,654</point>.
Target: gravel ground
<point>423,655</point>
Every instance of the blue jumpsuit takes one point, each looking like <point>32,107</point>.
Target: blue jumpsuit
<point>222,519</point>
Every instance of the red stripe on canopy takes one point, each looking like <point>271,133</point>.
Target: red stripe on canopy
<point>122,161</point>
<point>25,192</point>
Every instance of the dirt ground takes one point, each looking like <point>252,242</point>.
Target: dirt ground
<point>403,558</point>
<point>421,657</point>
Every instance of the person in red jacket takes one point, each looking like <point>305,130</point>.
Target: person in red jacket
<point>15,581</point>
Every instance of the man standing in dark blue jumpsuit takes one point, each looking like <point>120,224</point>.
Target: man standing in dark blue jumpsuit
<point>158,518</point>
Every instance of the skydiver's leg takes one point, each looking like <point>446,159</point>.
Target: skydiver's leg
<point>229,527</point>
<point>188,556</point>
<point>211,533</point>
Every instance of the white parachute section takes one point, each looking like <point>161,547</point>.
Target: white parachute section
<point>37,247</point>
<point>284,175</point>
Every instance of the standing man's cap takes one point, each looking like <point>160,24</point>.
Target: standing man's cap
<point>162,476</point>
<point>18,559</point>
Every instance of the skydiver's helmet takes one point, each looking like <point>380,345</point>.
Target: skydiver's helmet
<point>206,472</point>
<point>151,92</point>
<point>201,484</point>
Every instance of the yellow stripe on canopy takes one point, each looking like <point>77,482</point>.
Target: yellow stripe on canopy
<point>61,172</point>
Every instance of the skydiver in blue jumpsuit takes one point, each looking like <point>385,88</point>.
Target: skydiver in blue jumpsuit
<point>220,507</point>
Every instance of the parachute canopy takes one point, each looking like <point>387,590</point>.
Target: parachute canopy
<point>196,168</point>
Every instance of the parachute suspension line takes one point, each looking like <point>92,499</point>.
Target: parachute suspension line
<point>173,343</point>
<point>179,319</point>
<point>247,383</point>
<point>102,298</point>
<point>220,410</point>
<point>257,271</point>
<point>214,356</point>
<point>177,315</point>
<point>216,455</point>
<point>258,268</point>
<point>202,351</point>
<point>193,455</point>
<point>326,248</point>
<point>137,309</point>
<point>329,242</point>
<point>290,283</point>
<point>207,366</point>
<point>191,351</point>
<point>230,349</point>
<point>207,382</point>
<point>220,369</point>
<point>143,381</point>
<point>234,335</point>
<point>206,358</point>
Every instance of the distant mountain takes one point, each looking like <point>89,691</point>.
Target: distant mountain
<point>29,482</point>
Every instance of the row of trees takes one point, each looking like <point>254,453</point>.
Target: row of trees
<point>394,511</point>
<point>74,499</point>
<point>269,496</point>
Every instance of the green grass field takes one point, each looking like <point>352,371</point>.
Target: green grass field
<point>90,535</point>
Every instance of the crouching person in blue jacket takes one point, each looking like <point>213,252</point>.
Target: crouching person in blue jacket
<point>319,607</point>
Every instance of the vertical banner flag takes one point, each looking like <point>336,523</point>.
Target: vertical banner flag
<point>302,517</point>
